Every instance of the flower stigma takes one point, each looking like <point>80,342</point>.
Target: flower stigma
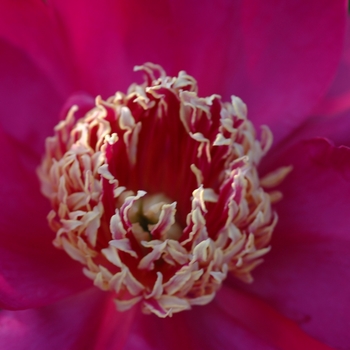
<point>156,192</point>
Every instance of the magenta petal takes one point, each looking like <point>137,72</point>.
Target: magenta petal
<point>80,322</point>
<point>341,84</point>
<point>307,272</point>
<point>279,58</point>
<point>315,199</point>
<point>32,271</point>
<point>290,59</point>
<point>30,104</point>
<point>202,328</point>
<point>334,127</point>
<point>34,28</point>
<point>263,321</point>
<point>232,321</point>
<point>331,116</point>
<point>124,34</point>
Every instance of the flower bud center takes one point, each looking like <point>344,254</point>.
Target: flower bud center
<point>144,214</point>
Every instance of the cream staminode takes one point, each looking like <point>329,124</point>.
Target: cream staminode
<point>157,193</point>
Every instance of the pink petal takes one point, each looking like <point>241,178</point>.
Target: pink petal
<point>290,58</point>
<point>264,321</point>
<point>85,321</point>
<point>280,58</point>
<point>337,98</point>
<point>232,321</point>
<point>334,127</point>
<point>202,328</point>
<point>307,272</point>
<point>34,28</point>
<point>90,320</point>
<point>330,118</point>
<point>32,271</point>
<point>30,104</point>
<point>123,34</point>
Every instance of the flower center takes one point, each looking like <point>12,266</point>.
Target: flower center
<point>157,193</point>
<point>151,212</point>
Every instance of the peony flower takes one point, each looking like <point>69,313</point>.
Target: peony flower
<point>157,193</point>
<point>174,177</point>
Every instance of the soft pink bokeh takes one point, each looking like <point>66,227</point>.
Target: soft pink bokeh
<point>281,58</point>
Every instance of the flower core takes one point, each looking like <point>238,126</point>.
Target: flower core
<point>156,192</point>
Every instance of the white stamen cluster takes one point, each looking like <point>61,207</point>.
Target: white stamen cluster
<point>132,240</point>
